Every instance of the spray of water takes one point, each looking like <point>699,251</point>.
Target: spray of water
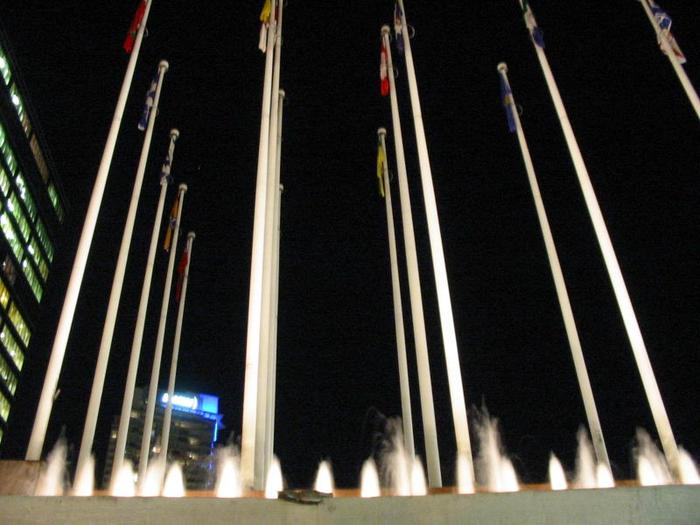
<point>153,482</point>
<point>369,480</point>
<point>324,478</point>
<point>85,478</point>
<point>418,483</point>
<point>52,477</point>
<point>652,468</point>
<point>494,469</point>
<point>585,477</point>
<point>228,477</point>
<point>688,468</point>
<point>274,483</point>
<point>557,478</point>
<point>174,486</point>
<point>124,485</point>
<point>465,474</point>
<point>395,463</point>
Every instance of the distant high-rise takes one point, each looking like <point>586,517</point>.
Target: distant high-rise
<point>32,212</point>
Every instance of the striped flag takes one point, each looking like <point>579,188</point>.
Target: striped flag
<point>531,23</point>
<point>150,100</point>
<point>381,159</point>
<point>264,24</point>
<point>165,169</point>
<point>383,71</point>
<point>508,105</point>
<point>398,27</point>
<point>664,22</point>
<point>172,224</point>
<point>134,27</point>
<point>181,267</point>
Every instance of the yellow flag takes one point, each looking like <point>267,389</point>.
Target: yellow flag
<point>172,223</point>
<point>265,13</point>
<point>381,159</point>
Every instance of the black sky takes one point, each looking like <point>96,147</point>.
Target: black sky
<point>336,352</point>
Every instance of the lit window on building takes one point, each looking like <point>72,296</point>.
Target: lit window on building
<point>32,279</point>
<point>10,343</point>
<point>14,207</point>
<point>55,201</point>
<point>4,407</point>
<point>19,108</point>
<point>44,239</point>
<point>39,157</point>
<point>20,326</point>
<point>25,195</point>
<point>11,236</point>
<point>35,251</point>
<point>8,376</point>
<point>4,294</point>
<point>4,181</point>
<point>8,269</point>
<point>5,67</point>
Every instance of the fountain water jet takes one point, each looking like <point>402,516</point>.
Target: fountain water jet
<point>52,478</point>
<point>84,482</point>
<point>585,477</point>
<point>124,485</point>
<point>369,480</point>
<point>153,482</point>
<point>174,486</point>
<point>557,478</point>
<point>324,478</point>
<point>688,468</point>
<point>228,476</point>
<point>492,465</point>
<point>274,483</point>
<point>465,479</point>
<point>604,478</point>
<point>395,463</point>
<point>652,468</point>
<point>418,484</point>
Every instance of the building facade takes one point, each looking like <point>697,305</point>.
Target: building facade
<point>195,424</point>
<point>32,212</point>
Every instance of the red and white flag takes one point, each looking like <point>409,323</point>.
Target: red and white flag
<point>134,27</point>
<point>383,71</point>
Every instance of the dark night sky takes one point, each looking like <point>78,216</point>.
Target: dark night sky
<point>336,353</point>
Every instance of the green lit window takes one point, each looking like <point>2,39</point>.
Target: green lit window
<point>4,294</point>
<point>25,195</point>
<point>9,156</point>
<point>4,407</point>
<point>18,321</point>
<point>19,108</point>
<point>44,239</point>
<point>8,375</point>
<point>33,249</point>
<point>56,201</point>
<point>32,279</point>
<point>11,236</point>
<point>39,157</point>
<point>5,67</point>
<point>12,347</point>
<point>14,207</point>
<point>43,269</point>
<point>1,435</point>
<point>4,181</point>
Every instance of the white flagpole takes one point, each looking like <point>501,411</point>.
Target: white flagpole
<point>425,387</point>
<point>261,446</point>
<point>165,433</point>
<point>449,337</point>
<point>252,359</point>
<point>128,399</point>
<point>117,283</point>
<point>560,285</point>
<point>272,368</point>
<point>53,371</point>
<point>677,66</point>
<point>407,417</point>
<point>634,334</point>
<point>155,370</point>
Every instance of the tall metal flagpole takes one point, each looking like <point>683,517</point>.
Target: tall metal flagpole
<point>53,370</point>
<point>449,337</point>
<point>407,418</point>
<point>117,282</point>
<point>165,433</point>
<point>272,368</point>
<point>261,446</point>
<point>252,359</point>
<point>155,370</point>
<point>128,399</point>
<point>663,38</point>
<point>634,334</point>
<point>559,283</point>
<point>425,387</point>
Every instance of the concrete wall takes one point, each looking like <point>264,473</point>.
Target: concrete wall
<point>649,505</point>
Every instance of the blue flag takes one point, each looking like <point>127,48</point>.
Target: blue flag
<point>398,27</point>
<point>148,104</point>
<point>531,23</point>
<point>508,103</point>
<point>664,22</point>
<point>661,16</point>
<point>165,170</point>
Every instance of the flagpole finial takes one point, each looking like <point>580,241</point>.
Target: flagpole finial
<point>174,134</point>
<point>163,64</point>
<point>502,67</point>
<point>386,29</point>
<point>182,187</point>
<point>191,235</point>
<point>281,93</point>
<point>381,132</point>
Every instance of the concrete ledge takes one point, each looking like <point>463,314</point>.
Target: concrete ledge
<point>639,505</point>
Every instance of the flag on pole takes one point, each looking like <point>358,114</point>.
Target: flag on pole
<point>398,27</point>
<point>508,103</point>
<point>172,223</point>
<point>165,169</point>
<point>181,267</point>
<point>664,22</point>
<point>150,100</point>
<point>383,71</point>
<point>531,23</point>
<point>264,24</point>
<point>381,159</point>
<point>134,27</point>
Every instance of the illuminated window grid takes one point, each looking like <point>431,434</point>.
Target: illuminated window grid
<point>4,407</point>
<point>20,325</point>
<point>12,346</point>
<point>8,376</point>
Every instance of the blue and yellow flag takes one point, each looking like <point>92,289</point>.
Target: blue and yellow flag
<point>150,100</point>
<point>172,224</point>
<point>508,104</point>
